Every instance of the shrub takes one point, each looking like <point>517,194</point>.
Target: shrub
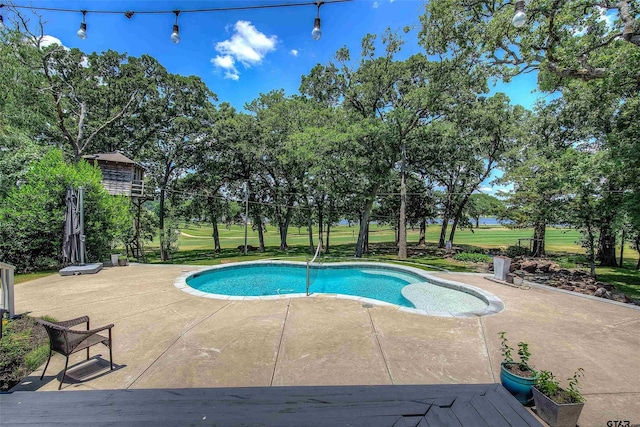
<point>472,249</point>
<point>516,251</point>
<point>548,385</point>
<point>32,215</point>
<point>471,257</point>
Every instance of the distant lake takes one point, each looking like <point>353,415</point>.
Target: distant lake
<point>483,221</point>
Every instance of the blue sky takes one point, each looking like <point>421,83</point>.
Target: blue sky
<point>240,54</point>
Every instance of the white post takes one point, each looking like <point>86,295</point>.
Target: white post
<point>6,282</point>
<point>501,265</point>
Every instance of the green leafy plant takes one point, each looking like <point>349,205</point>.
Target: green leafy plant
<point>523,353</point>
<point>471,257</point>
<point>548,385</point>
<point>505,348</point>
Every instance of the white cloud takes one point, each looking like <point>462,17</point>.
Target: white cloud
<point>294,52</point>
<point>227,63</point>
<point>47,41</point>
<point>247,45</point>
<point>375,4</point>
<point>486,189</point>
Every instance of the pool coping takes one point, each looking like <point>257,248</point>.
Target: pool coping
<point>494,304</point>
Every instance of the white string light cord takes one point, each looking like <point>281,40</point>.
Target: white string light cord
<point>316,33</point>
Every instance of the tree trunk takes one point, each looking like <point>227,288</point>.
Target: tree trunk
<point>456,218</point>
<point>284,229</point>
<point>607,246</point>
<point>622,248</point>
<point>463,203</point>
<point>326,245</point>
<point>320,218</point>
<point>402,226</point>
<point>422,241</point>
<point>366,238</point>
<point>637,243</point>
<point>258,220</point>
<point>477,221</point>
<point>214,224</point>
<point>591,253</point>
<point>310,229</point>
<point>539,239</point>
<point>216,237</point>
<point>163,253</point>
<point>363,232</point>
<point>443,229</point>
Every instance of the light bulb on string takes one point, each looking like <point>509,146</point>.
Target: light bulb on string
<point>316,33</point>
<point>82,32</point>
<point>520,17</point>
<point>175,34</point>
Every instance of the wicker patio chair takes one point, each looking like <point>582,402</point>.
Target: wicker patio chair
<point>67,341</point>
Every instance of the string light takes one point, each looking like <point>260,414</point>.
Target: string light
<point>316,33</point>
<point>175,35</point>
<point>520,17</point>
<point>82,32</point>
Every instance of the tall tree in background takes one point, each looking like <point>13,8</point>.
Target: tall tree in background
<point>483,205</point>
<point>90,94</point>
<point>562,40</point>
<point>389,100</point>
<point>23,131</point>
<point>180,113</point>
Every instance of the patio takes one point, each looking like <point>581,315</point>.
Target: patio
<point>165,338</point>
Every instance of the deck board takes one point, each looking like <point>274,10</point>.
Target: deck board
<point>271,406</point>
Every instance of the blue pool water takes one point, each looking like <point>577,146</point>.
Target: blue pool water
<point>383,284</point>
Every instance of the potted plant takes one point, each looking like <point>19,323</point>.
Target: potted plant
<point>517,377</point>
<point>558,407</point>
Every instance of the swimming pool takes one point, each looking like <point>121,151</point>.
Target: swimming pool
<point>410,288</point>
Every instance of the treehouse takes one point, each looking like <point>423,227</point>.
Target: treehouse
<point>120,176</point>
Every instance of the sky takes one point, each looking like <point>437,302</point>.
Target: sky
<point>240,54</point>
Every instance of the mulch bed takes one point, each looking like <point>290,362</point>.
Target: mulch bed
<point>20,337</point>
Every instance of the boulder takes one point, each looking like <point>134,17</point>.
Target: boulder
<point>544,267</point>
<point>529,266</point>
<point>599,292</point>
<point>607,286</point>
<point>621,298</point>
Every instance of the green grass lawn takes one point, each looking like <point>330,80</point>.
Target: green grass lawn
<point>25,277</point>
<point>196,247</point>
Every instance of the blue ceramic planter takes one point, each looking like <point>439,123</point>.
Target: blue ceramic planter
<point>519,387</point>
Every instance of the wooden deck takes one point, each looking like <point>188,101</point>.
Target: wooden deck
<point>412,405</point>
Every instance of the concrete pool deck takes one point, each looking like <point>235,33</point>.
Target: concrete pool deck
<point>165,338</point>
